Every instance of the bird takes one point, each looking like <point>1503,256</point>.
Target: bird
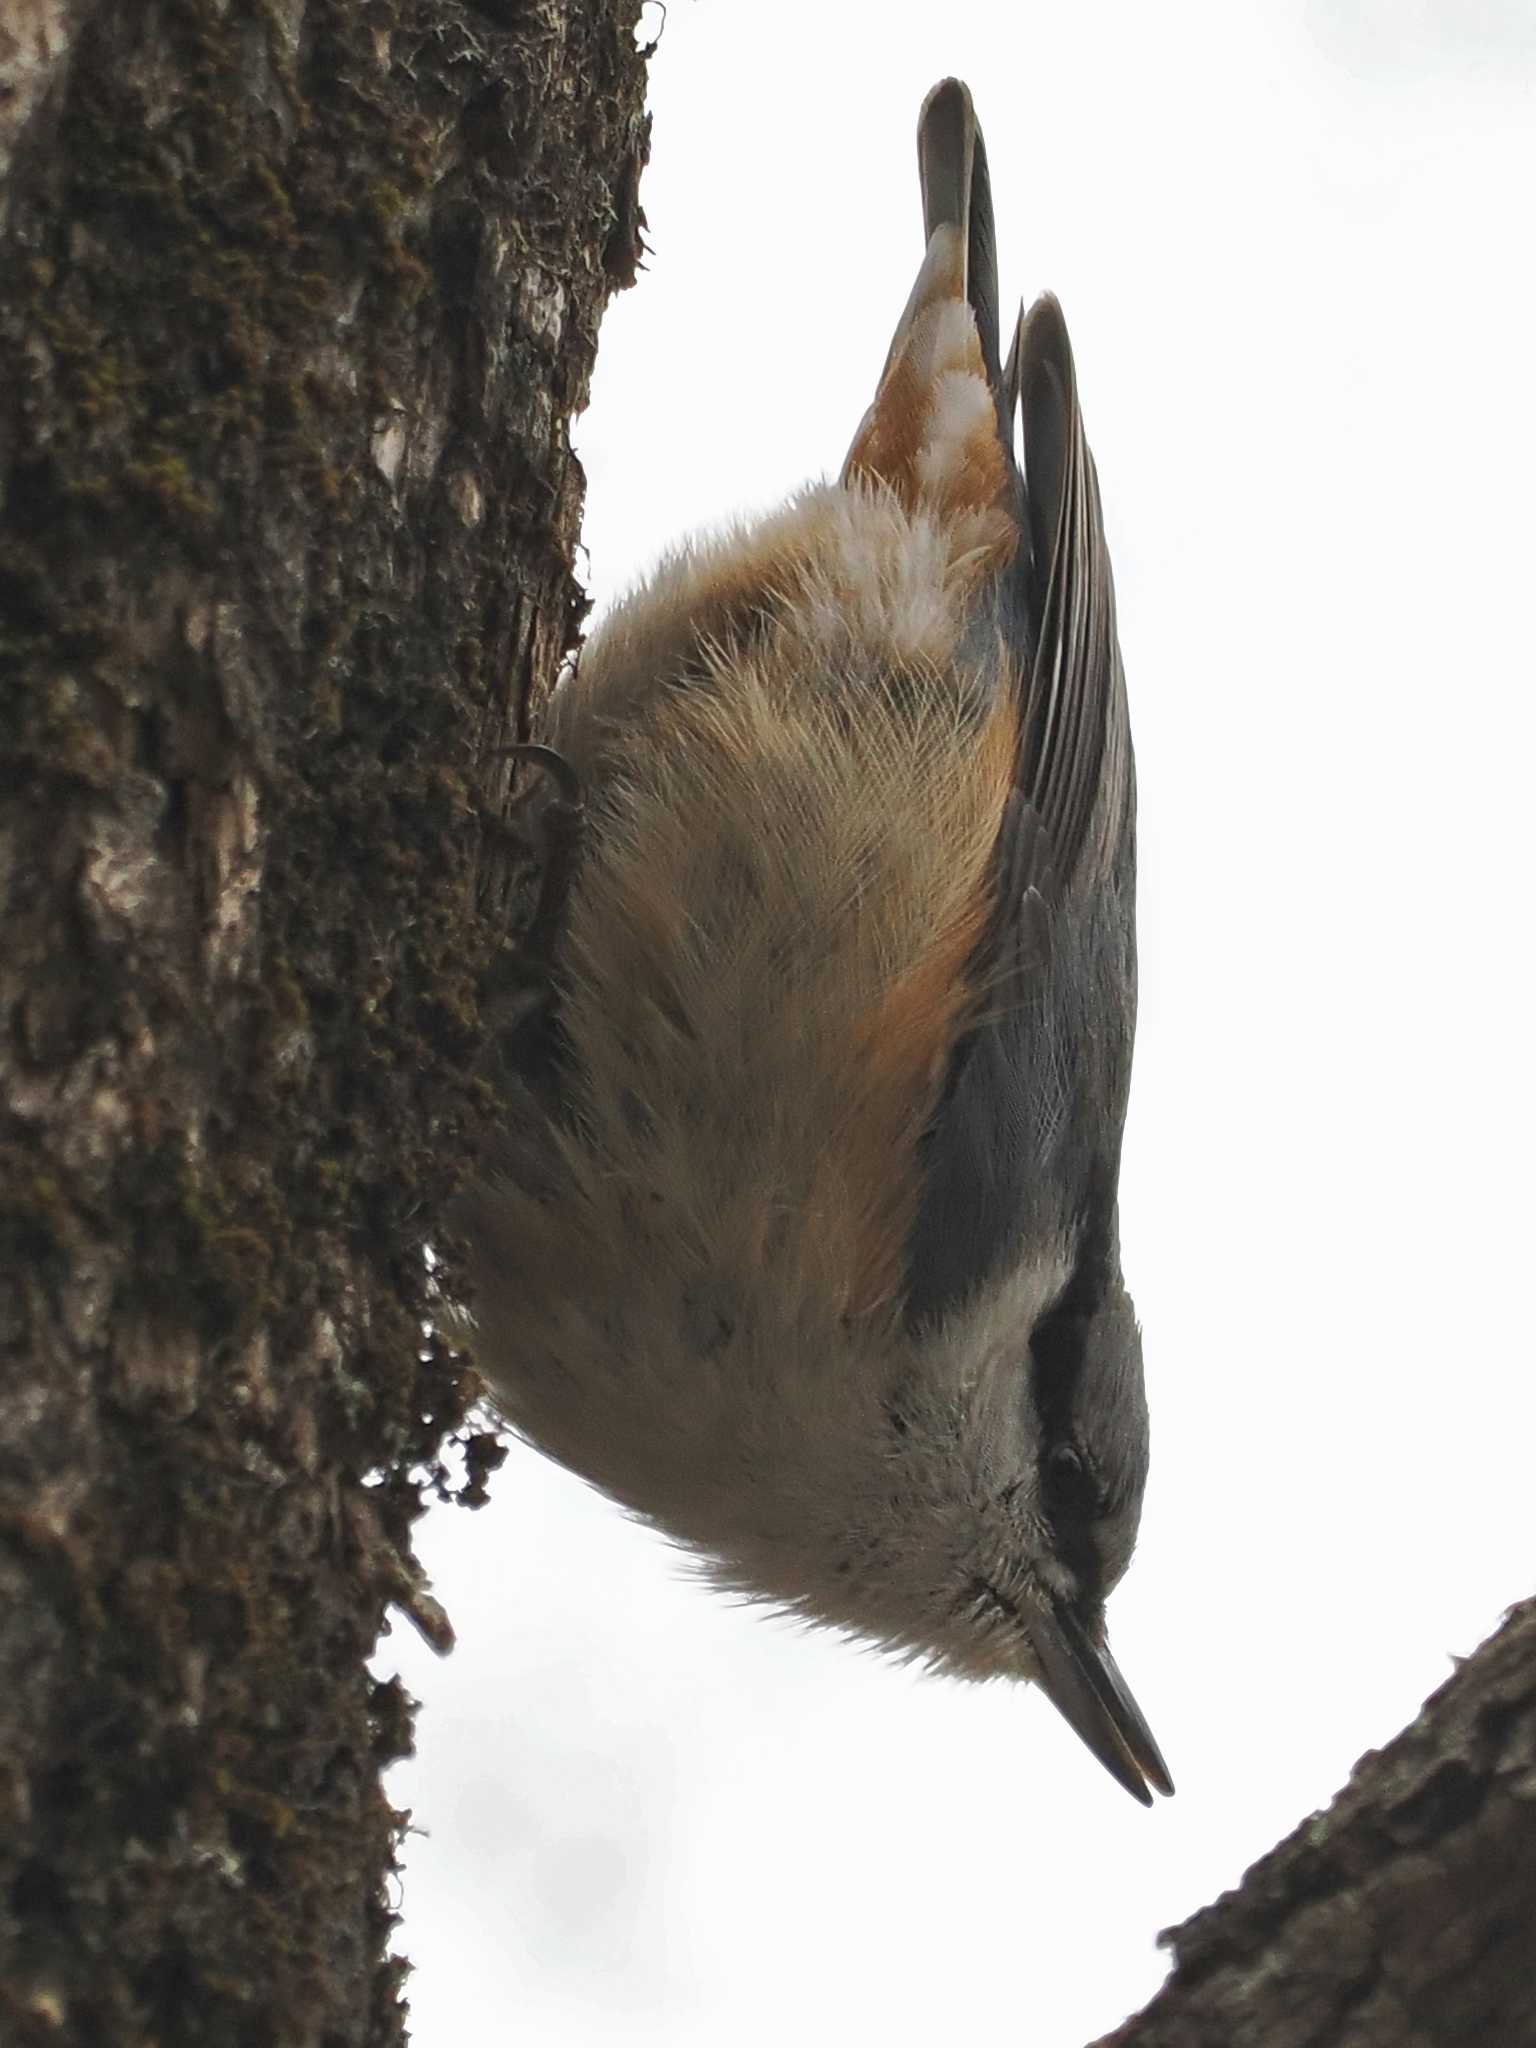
<point>794,1223</point>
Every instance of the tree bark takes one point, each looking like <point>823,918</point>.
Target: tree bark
<point>1404,1916</point>
<point>296,301</point>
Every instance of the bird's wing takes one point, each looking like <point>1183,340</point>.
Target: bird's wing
<point>1074,730</point>
<point>1010,1083</point>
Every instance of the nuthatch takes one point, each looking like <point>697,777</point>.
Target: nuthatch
<point>798,1232</point>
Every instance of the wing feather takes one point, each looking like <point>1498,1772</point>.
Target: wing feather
<point>1031,1101</point>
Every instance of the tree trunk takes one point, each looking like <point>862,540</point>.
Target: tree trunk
<point>296,301</point>
<point>1404,1916</point>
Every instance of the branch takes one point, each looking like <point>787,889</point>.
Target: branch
<point>1405,1914</point>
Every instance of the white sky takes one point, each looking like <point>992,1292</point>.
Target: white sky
<point>1294,246</point>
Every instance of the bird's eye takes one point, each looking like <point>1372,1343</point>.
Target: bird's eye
<point>1070,1486</point>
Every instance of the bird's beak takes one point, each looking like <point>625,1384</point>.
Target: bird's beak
<point>1082,1681</point>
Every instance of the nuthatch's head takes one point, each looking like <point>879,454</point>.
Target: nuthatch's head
<point>798,1233</point>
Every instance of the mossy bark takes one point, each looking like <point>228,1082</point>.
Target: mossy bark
<point>296,301</point>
